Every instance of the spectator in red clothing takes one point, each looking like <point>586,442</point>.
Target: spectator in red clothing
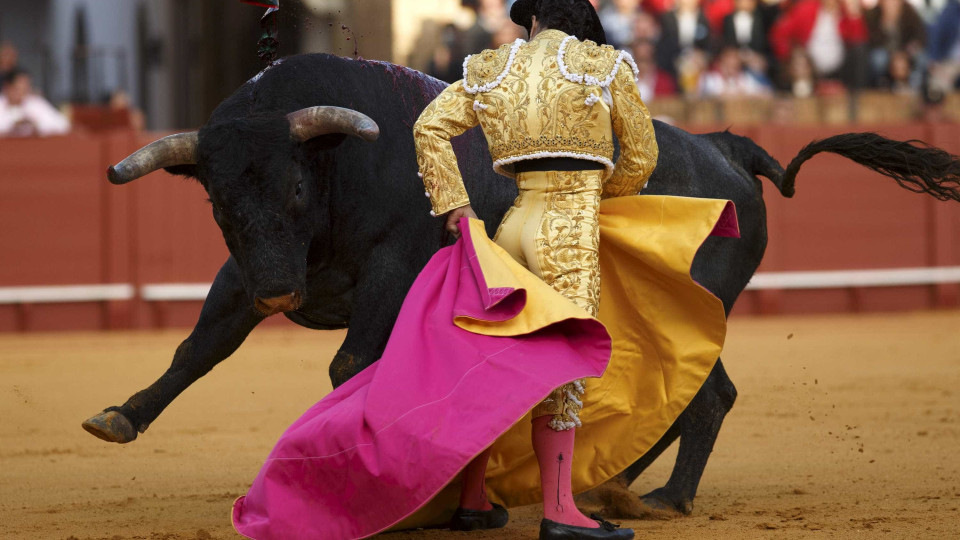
<point>716,11</point>
<point>657,7</point>
<point>833,34</point>
<point>652,81</point>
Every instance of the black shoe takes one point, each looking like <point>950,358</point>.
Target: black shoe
<point>475,520</point>
<point>551,530</point>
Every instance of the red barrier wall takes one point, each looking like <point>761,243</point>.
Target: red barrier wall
<point>63,223</point>
<point>845,216</point>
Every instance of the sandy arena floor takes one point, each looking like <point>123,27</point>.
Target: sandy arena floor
<point>845,427</point>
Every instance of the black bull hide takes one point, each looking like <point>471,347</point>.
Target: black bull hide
<point>368,231</point>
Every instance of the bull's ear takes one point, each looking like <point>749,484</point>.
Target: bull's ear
<point>190,171</point>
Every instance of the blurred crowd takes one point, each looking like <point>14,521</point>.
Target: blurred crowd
<point>24,112</point>
<point>694,49</point>
<point>744,48</point>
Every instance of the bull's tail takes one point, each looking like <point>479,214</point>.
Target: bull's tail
<point>919,167</point>
<point>743,152</point>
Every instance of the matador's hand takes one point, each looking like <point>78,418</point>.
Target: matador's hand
<point>453,218</point>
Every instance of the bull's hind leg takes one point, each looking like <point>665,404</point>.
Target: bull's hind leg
<point>614,498</point>
<point>225,321</point>
<point>697,427</point>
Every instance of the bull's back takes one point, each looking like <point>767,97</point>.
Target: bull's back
<point>692,166</point>
<point>304,80</point>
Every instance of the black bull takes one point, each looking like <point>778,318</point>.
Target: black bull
<point>332,230</point>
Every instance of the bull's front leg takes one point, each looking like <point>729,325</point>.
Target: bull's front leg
<point>377,300</point>
<point>225,321</point>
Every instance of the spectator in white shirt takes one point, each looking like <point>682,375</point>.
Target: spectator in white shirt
<point>684,32</point>
<point>25,114</point>
<point>729,78</point>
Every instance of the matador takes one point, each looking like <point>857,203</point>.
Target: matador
<point>492,332</point>
<point>549,108</point>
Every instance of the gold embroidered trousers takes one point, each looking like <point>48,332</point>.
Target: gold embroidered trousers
<point>553,229</point>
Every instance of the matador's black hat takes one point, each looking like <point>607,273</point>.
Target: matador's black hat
<point>522,13</point>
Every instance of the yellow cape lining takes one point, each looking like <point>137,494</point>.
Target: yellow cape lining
<point>667,333</point>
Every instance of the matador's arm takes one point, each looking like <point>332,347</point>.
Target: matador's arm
<point>449,115</point>
<point>634,128</point>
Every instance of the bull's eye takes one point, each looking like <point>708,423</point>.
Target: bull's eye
<point>299,189</point>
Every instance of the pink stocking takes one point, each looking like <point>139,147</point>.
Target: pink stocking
<point>554,451</point>
<point>473,494</point>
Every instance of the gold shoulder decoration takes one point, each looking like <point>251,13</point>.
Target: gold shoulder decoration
<point>485,71</point>
<point>585,62</point>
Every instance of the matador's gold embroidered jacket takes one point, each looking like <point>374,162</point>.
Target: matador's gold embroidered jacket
<point>552,97</point>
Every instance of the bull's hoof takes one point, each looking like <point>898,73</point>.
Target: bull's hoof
<point>664,507</point>
<point>343,367</point>
<point>111,426</point>
<point>612,499</point>
<point>615,500</point>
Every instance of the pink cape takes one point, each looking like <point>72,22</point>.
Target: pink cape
<point>383,444</point>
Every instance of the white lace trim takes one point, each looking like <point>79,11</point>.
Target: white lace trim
<point>558,424</point>
<point>498,164</point>
<point>496,82</point>
<point>628,58</point>
<point>574,399</point>
<point>590,79</point>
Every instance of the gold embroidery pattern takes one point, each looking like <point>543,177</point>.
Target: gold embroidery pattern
<point>527,145</point>
<point>450,114</point>
<point>569,235</point>
<point>567,247</point>
<point>564,404</point>
<point>638,143</point>
<point>587,58</point>
<point>485,67</point>
<point>534,111</point>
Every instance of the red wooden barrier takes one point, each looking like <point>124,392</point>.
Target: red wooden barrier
<point>844,216</point>
<point>52,221</point>
<point>62,223</point>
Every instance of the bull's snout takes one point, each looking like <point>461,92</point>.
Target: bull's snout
<point>278,304</point>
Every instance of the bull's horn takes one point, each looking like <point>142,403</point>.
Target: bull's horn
<point>179,149</point>
<point>322,120</point>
